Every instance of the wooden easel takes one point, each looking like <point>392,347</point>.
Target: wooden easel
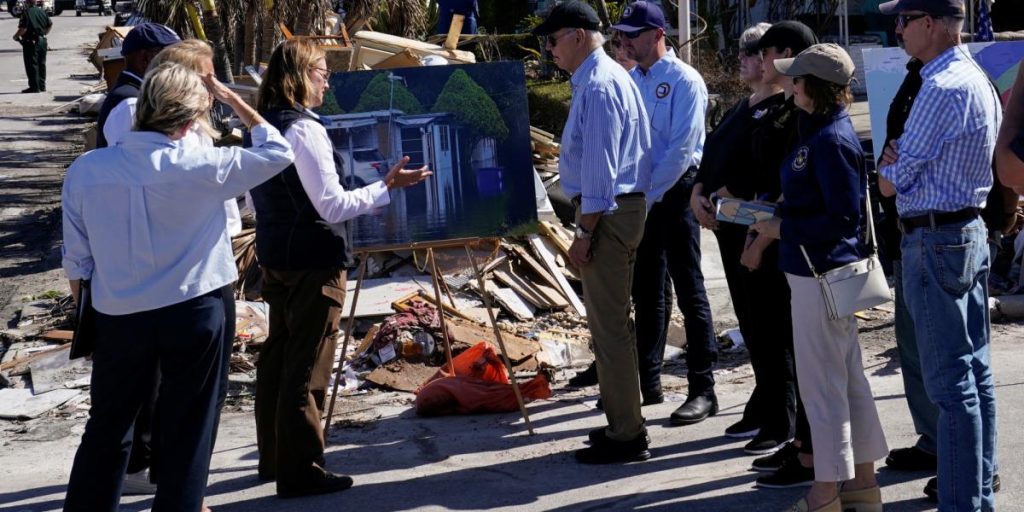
<point>436,278</point>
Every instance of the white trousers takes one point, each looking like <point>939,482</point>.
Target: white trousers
<point>845,429</point>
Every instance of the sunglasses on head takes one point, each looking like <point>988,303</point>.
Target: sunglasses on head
<point>635,34</point>
<point>902,20</point>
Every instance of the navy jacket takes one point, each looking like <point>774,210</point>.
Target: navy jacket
<point>823,182</point>
<point>127,86</point>
<point>290,234</point>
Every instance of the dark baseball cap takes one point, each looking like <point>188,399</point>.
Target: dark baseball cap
<point>639,16</point>
<point>573,14</point>
<point>953,8</point>
<point>146,36</point>
<point>788,34</point>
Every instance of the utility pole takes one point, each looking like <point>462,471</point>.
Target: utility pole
<point>684,30</point>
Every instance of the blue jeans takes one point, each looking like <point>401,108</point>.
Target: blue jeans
<point>922,411</point>
<point>945,275</point>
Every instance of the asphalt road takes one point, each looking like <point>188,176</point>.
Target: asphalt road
<point>403,462</point>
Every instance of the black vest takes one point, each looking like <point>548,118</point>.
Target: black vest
<point>290,234</point>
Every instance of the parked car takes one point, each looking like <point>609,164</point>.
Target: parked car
<point>369,166</point>
<point>16,7</point>
<point>60,6</point>
<point>125,13</point>
<point>101,7</point>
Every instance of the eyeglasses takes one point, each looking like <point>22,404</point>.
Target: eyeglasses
<point>636,33</point>
<point>902,20</point>
<point>323,72</point>
<point>553,39</point>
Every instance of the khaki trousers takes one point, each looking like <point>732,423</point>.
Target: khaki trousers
<point>293,371</point>
<point>836,394</point>
<point>607,284</point>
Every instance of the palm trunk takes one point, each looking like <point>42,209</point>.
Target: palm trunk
<point>268,34</point>
<point>249,45</point>
<point>602,12</point>
<point>215,36</point>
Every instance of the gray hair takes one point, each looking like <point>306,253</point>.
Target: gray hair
<point>172,96</point>
<point>753,34</point>
<point>953,24</point>
<point>595,36</point>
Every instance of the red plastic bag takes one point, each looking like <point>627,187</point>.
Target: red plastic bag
<point>466,395</point>
<point>479,362</point>
<point>480,384</point>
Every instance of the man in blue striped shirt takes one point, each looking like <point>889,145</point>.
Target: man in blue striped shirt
<point>941,172</point>
<point>605,168</point>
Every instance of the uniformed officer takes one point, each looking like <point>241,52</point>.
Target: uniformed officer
<point>675,98</point>
<point>32,30</point>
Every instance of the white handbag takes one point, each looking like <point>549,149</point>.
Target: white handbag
<point>855,286</point>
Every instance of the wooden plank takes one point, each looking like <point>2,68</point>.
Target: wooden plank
<point>533,265</point>
<point>394,44</point>
<point>522,288</point>
<point>403,59</point>
<point>554,234</point>
<point>519,348</point>
<point>60,335</point>
<point>549,260</point>
<point>454,29</point>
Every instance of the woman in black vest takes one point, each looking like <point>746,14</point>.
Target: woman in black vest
<point>303,264</point>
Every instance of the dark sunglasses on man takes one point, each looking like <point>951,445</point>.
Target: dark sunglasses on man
<point>902,20</point>
<point>552,39</point>
<point>634,34</point>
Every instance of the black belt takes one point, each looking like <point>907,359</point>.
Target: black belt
<point>578,198</point>
<point>935,219</point>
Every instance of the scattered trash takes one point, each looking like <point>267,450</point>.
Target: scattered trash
<point>735,337</point>
<point>18,404</point>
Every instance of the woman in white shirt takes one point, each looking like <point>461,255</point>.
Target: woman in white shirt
<point>198,56</point>
<point>144,221</point>
<point>304,266</point>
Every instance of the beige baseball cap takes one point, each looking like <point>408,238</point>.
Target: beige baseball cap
<point>827,61</point>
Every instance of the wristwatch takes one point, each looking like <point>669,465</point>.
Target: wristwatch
<point>583,234</point>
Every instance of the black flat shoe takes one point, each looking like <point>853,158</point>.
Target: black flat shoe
<point>791,474</point>
<point>931,489</point>
<point>611,452</point>
<point>764,445</point>
<point>743,429</point>
<point>695,410</point>
<point>585,378</point>
<point>325,484</point>
<point>775,461</point>
<point>911,459</point>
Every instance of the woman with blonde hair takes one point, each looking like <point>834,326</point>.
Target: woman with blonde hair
<point>144,223</point>
<point>303,271</point>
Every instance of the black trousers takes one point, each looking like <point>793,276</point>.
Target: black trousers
<point>34,53</point>
<point>762,304</point>
<point>186,342</point>
<point>671,245</point>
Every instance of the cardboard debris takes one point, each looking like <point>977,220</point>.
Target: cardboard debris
<point>53,370</point>
<point>377,295</point>
<point>20,404</point>
<point>401,375</point>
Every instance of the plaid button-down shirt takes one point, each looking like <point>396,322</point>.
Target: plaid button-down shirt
<point>945,153</point>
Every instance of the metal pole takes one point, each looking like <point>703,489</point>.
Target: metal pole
<point>684,30</point>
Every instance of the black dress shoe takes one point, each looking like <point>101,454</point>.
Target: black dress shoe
<point>911,459</point>
<point>931,489</point>
<point>600,435</point>
<point>585,378</point>
<point>325,483</point>
<point>29,90</point>
<point>610,451</point>
<point>695,410</point>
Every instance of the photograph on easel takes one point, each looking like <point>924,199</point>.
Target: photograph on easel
<point>468,123</point>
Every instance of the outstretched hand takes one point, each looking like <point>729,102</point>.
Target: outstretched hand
<point>399,176</point>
